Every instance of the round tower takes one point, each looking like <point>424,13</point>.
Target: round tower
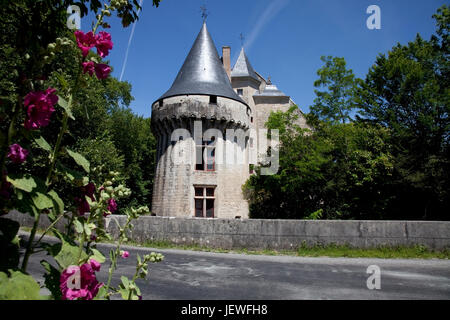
<point>201,126</point>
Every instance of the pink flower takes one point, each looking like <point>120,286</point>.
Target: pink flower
<point>95,265</point>
<point>88,284</point>
<point>107,213</point>
<point>103,44</point>
<point>85,41</point>
<point>102,70</point>
<point>39,107</point>
<point>17,154</point>
<point>88,67</point>
<point>124,254</point>
<point>112,205</point>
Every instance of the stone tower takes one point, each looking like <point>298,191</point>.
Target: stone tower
<point>201,124</point>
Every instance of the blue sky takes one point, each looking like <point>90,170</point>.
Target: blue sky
<point>284,39</point>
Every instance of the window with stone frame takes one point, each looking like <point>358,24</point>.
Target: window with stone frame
<point>204,201</point>
<point>207,152</point>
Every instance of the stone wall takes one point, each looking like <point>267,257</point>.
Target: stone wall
<point>280,234</point>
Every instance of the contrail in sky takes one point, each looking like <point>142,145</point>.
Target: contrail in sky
<point>270,12</point>
<point>129,42</point>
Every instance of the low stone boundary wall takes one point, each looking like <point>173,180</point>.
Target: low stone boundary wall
<point>276,234</point>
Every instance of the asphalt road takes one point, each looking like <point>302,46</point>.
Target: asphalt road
<point>195,275</point>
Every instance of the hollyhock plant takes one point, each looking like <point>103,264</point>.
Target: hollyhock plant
<point>124,254</point>
<point>88,67</point>
<point>103,44</point>
<point>102,70</point>
<point>39,108</point>
<point>88,283</point>
<point>17,154</point>
<point>85,41</point>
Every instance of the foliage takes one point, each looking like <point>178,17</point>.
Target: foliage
<point>336,102</point>
<point>408,92</point>
<point>44,97</point>
<point>391,162</point>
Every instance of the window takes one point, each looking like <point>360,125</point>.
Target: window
<point>213,99</point>
<point>161,103</point>
<point>240,92</point>
<point>251,119</point>
<point>204,202</point>
<point>210,148</point>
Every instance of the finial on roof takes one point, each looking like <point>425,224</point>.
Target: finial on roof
<point>241,36</point>
<point>269,82</point>
<point>204,12</point>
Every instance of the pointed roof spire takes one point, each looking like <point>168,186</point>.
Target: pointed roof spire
<point>202,72</point>
<point>243,68</point>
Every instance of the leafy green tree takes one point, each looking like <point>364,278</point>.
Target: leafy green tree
<point>336,101</point>
<point>337,171</point>
<point>408,92</point>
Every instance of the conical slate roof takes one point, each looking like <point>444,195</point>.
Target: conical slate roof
<point>202,72</point>
<point>243,68</point>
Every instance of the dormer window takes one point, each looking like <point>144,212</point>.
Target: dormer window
<point>240,92</point>
<point>161,103</point>
<point>213,99</point>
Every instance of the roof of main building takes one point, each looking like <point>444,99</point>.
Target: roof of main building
<point>243,68</point>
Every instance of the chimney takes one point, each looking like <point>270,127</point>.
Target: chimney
<point>226,60</point>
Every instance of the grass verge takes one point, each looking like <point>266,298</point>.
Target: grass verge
<point>330,250</point>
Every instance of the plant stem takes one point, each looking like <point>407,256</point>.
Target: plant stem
<point>48,229</point>
<point>30,241</point>
<point>116,254</point>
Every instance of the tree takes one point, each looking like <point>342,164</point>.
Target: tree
<point>336,102</point>
<point>408,92</point>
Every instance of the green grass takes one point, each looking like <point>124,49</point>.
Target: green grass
<point>331,250</point>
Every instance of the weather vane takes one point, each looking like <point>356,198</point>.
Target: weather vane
<point>204,12</point>
<point>241,36</point>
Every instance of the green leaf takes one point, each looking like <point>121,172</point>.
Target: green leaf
<point>25,183</point>
<point>78,226</point>
<point>19,286</point>
<point>52,279</point>
<point>68,255</point>
<point>66,106</point>
<point>125,282</point>
<point>58,204</point>
<point>101,293</point>
<point>97,255</point>
<point>41,201</point>
<point>43,144</point>
<point>79,159</point>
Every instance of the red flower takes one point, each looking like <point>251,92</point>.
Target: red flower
<point>39,106</point>
<point>103,44</point>
<point>88,67</point>
<point>88,285</point>
<point>17,154</point>
<point>83,205</point>
<point>85,41</point>
<point>102,70</point>
<point>89,190</point>
<point>112,205</point>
